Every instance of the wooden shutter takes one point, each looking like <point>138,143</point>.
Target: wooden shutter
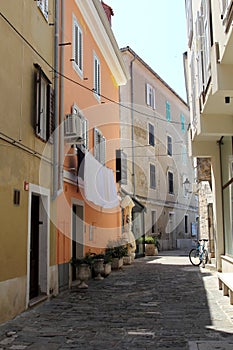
<point>38,101</point>
<point>148,94</point>
<point>50,113</point>
<point>80,50</point>
<point>76,54</point>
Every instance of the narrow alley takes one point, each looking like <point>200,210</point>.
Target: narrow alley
<point>158,302</point>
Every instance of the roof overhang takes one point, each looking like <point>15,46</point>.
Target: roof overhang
<point>96,19</point>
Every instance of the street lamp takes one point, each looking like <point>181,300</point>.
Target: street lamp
<point>187,186</point>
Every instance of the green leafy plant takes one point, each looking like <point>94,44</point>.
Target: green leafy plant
<point>116,249</point>
<point>152,240</point>
<point>149,240</point>
<point>87,259</point>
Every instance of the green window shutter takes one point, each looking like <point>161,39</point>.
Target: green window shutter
<point>168,111</point>
<point>182,119</point>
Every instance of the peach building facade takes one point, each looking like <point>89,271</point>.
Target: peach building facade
<point>89,213</point>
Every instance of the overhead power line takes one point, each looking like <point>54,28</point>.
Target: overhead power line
<point>161,118</point>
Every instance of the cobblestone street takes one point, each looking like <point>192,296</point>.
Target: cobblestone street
<point>156,303</point>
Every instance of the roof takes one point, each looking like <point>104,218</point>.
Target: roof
<point>133,53</point>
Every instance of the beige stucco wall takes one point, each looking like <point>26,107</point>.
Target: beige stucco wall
<point>12,297</point>
<point>20,150</point>
<point>156,199</point>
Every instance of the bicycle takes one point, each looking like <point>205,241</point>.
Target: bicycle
<point>199,254</point>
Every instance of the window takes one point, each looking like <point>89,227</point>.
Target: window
<point>121,167</point>
<point>85,128</point>
<point>182,120</point>
<point>96,77</point>
<point>168,111</point>
<point>153,222</point>
<point>170,182</point>
<point>189,19</point>
<point>152,176</point>
<point>151,135</point>
<point>169,145</point>
<point>99,146</point>
<point>77,47</point>
<point>44,7</point>
<point>44,106</point>
<point>204,39</point>
<point>186,217</point>
<point>150,96</point>
<point>184,154</point>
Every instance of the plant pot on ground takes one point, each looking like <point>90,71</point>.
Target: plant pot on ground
<point>116,250</point>
<point>151,248</point>
<point>83,267</point>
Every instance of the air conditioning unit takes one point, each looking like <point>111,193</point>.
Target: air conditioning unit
<point>73,128</point>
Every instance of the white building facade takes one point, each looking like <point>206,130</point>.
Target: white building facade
<point>209,69</point>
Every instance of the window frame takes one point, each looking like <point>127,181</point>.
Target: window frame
<point>152,170</point>
<point>85,125</point>
<point>182,120</point>
<point>153,221</point>
<point>169,146</point>
<point>150,96</point>
<point>44,8</point>
<point>77,47</point>
<point>186,222</point>
<point>170,180</point>
<point>100,146</point>
<point>151,135</point>
<point>168,111</point>
<point>44,95</point>
<point>96,76</point>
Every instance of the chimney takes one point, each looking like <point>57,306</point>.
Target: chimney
<point>109,12</point>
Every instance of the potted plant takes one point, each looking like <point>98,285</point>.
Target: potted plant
<point>116,250</point>
<point>107,265</point>
<point>98,266</point>
<point>151,246</point>
<point>83,266</point>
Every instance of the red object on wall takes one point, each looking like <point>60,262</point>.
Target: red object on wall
<point>26,186</point>
<point>109,12</point>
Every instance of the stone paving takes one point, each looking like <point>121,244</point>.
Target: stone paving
<point>158,302</point>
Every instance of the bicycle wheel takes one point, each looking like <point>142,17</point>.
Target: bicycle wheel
<point>194,257</point>
<point>206,258</point>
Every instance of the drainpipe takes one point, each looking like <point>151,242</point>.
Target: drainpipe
<point>220,143</point>
<point>132,123</point>
<point>61,129</point>
<point>56,102</point>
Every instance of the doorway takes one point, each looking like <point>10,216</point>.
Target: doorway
<point>77,235</point>
<point>38,243</point>
<point>34,248</point>
<point>172,230</point>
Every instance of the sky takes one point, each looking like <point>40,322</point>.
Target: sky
<point>156,31</point>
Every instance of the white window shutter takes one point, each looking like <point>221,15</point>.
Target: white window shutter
<point>148,94</point>
<point>153,99</point>
<point>87,134</point>
<point>96,133</point>
<point>103,150</point>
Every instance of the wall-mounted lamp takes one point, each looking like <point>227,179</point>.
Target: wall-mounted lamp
<point>187,186</point>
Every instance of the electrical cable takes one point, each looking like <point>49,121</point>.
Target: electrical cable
<point>81,85</point>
